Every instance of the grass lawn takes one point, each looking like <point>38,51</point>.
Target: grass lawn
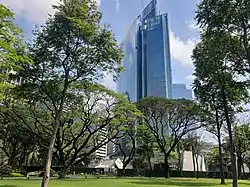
<point>121,183</point>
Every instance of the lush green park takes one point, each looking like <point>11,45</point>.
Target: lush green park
<point>120,183</point>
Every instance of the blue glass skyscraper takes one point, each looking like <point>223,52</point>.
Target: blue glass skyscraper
<point>147,56</point>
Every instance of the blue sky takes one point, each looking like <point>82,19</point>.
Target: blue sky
<point>120,14</point>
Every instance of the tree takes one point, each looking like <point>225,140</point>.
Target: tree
<point>16,145</point>
<point>169,121</point>
<point>197,145</point>
<point>241,138</point>
<point>242,144</point>
<point>215,127</point>
<point>127,143</point>
<point>190,146</point>
<point>213,159</point>
<point>217,85</point>
<point>145,146</point>
<point>73,46</point>
<point>93,117</point>
<point>180,148</point>
<point>12,53</point>
<point>230,16</point>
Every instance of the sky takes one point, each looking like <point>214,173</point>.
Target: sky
<point>120,14</point>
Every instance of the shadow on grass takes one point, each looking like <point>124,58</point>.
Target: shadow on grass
<point>244,183</point>
<point>173,183</point>
<point>8,186</point>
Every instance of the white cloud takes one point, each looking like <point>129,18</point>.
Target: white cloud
<point>181,51</point>
<point>35,11</point>
<point>109,82</point>
<point>190,78</point>
<point>192,25</point>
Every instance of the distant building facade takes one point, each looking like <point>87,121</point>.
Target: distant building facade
<point>180,91</point>
<point>102,152</point>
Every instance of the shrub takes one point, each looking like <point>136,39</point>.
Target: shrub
<point>16,175</point>
<point>5,170</point>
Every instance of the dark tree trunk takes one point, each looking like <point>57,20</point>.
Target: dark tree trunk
<point>150,166</point>
<point>197,166</point>
<point>193,157</point>
<point>166,165</point>
<point>240,163</point>
<point>222,173</point>
<point>232,145</point>
<point>123,171</point>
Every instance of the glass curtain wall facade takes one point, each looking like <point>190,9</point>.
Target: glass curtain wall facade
<point>147,57</point>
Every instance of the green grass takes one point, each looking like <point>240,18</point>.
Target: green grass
<point>121,183</point>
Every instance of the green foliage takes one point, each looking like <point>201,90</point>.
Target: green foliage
<point>146,146</point>
<point>5,170</point>
<point>12,46</point>
<point>241,140</point>
<point>213,159</point>
<point>169,120</point>
<point>91,113</point>
<point>230,16</point>
<point>216,70</point>
<point>70,51</point>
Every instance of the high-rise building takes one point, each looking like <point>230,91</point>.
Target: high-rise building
<point>147,56</point>
<point>180,91</point>
<point>102,151</point>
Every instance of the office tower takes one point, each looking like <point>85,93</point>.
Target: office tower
<point>102,151</point>
<point>180,91</point>
<point>147,56</point>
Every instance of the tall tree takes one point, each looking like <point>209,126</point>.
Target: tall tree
<point>126,143</point>
<point>169,121</point>
<point>215,127</point>
<point>145,145</point>
<point>230,16</point>
<point>217,84</point>
<point>12,53</point>
<point>73,46</point>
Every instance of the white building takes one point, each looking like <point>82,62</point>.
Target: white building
<point>103,150</point>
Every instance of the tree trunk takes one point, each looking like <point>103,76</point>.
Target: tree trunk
<point>197,166</point>
<point>150,166</point>
<point>232,146</point>
<point>123,171</point>
<point>193,157</point>
<point>46,174</point>
<point>240,161</point>
<point>243,170</point>
<point>166,164</point>
<point>222,173</point>
<point>180,157</point>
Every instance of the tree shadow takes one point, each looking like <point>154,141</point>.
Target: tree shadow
<point>8,185</point>
<point>244,183</point>
<point>174,183</point>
